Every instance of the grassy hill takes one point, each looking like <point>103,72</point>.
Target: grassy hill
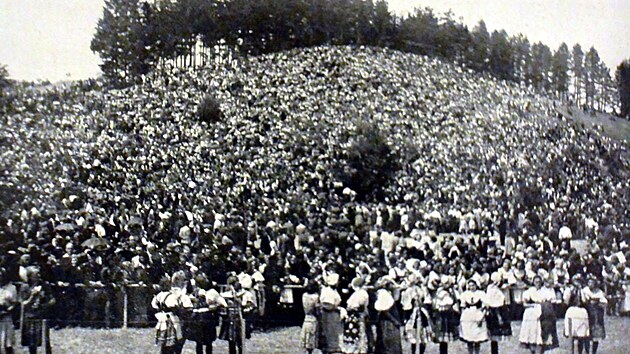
<point>615,127</point>
<point>466,141</point>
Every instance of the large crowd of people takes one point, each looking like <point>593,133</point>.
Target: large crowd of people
<point>108,188</point>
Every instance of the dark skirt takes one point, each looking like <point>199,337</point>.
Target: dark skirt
<point>388,338</point>
<point>596,321</point>
<point>232,327</point>
<point>32,332</point>
<point>446,327</point>
<point>201,327</point>
<point>548,326</point>
<point>498,322</point>
<point>331,329</point>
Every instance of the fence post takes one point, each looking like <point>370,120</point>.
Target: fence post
<point>125,307</point>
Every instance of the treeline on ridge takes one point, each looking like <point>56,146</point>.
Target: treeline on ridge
<point>134,37</point>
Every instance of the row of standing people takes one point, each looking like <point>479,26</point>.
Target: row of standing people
<point>393,316</point>
<point>195,316</point>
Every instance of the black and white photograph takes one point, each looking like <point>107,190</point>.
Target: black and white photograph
<point>315,176</point>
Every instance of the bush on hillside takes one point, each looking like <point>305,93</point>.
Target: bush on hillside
<point>209,110</point>
<point>370,163</point>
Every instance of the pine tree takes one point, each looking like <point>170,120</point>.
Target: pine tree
<point>591,76</point>
<point>622,77</point>
<point>521,58</point>
<point>541,66</point>
<point>577,68</point>
<point>384,24</point>
<point>559,69</point>
<point>501,56</point>
<point>5,82</point>
<point>116,39</point>
<point>480,51</point>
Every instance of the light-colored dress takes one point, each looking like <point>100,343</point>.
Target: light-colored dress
<point>8,299</point>
<point>309,336</point>
<point>531,335</point>
<point>472,321</point>
<point>576,318</point>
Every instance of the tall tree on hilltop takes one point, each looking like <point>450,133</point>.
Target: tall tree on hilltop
<point>480,50</point>
<point>418,32</point>
<point>501,56</point>
<point>591,76</point>
<point>452,38</point>
<point>577,69</point>
<point>559,70</point>
<point>622,76</point>
<point>384,24</point>
<point>606,92</point>
<point>541,67</point>
<point>521,58</point>
<point>116,38</point>
<point>5,82</point>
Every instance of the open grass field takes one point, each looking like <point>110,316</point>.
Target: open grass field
<point>286,340</point>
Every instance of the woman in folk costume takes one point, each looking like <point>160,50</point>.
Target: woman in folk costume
<point>532,335</point>
<point>310,329</point>
<point>497,312</point>
<point>473,329</point>
<point>38,299</point>
<point>519,287</point>
<point>355,336</point>
<point>202,326</point>
<point>576,318</point>
<point>331,327</point>
<point>8,301</point>
<point>549,308</point>
<point>446,319</point>
<point>233,326</point>
<point>171,306</point>
<point>418,329</point>
<point>507,281</point>
<point>596,307</point>
<point>248,302</point>
<point>388,320</point>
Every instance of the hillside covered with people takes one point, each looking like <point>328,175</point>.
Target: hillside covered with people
<point>138,169</point>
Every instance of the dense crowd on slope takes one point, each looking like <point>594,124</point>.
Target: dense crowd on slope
<point>125,186</point>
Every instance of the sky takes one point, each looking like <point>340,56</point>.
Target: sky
<point>50,39</point>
